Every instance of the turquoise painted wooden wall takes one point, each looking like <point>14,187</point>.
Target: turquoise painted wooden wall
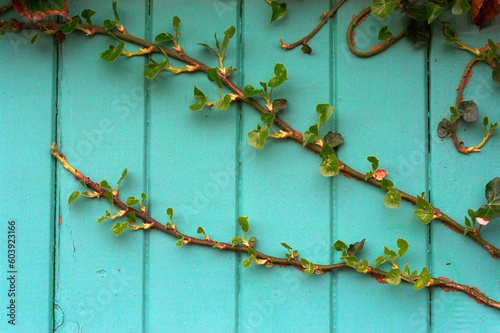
<point>74,275</point>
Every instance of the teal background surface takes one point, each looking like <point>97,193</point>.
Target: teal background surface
<point>75,275</point>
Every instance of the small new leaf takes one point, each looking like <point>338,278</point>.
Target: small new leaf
<point>280,76</point>
<point>118,227</point>
<point>423,279</point>
<point>384,34</point>
<point>200,96</point>
<point>340,246</point>
<point>73,197</point>
<point>213,76</point>
<point>402,246</point>
<point>131,201</point>
<point>243,223</point>
<point>250,91</point>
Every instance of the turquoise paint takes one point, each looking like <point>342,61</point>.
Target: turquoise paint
<point>109,118</point>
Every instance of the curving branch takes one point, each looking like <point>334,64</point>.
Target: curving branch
<point>292,133</point>
<point>304,40</point>
<point>376,49</point>
<point>151,223</point>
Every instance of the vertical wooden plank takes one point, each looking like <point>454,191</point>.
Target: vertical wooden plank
<point>283,193</point>
<point>382,113</point>
<point>458,180</point>
<point>101,115</point>
<point>27,173</point>
<point>194,169</point>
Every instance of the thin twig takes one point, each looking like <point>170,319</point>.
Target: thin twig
<point>376,273</point>
<point>293,133</point>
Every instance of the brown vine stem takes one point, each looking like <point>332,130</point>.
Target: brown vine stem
<point>304,40</point>
<point>150,222</point>
<point>293,134</point>
<point>458,100</point>
<point>461,87</point>
<point>375,50</point>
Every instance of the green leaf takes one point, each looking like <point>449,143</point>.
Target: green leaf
<point>280,76</point>
<point>223,104</point>
<point>115,11</point>
<point>310,136</point>
<point>406,271</point>
<point>374,161</point>
<point>250,91</point>
<point>304,262</point>
<point>144,196</point>
<point>279,10</point>
<point>87,15</point>
<point>445,128</point>
<point>236,240</point>
<point>118,227</point>
<point>104,184</point>
<point>423,216</point>
<point>382,8</point>
<point>496,74</point>
<point>326,151</point>
<point>170,213</point>
<point>243,223</point>
<point>264,86</point>
<point>131,217</point>
<point>228,34</point>
<point>433,11</point>
<point>491,211</point>
<point>386,184</point>
<point>252,240</point>
<point>339,245</point>
<point>364,266</point>
<point>163,37</point>
<point>392,199</point>
<point>176,23</point>
<point>355,249</point>
<point>330,166</point>
<point>393,277</point>
<point>213,76</point>
<point>70,26</point>
<point>248,262</point>
<point>423,279</point>
<point>333,139</point>
<point>310,268</point>
<point>384,34</point>
<point>402,247</point>
<point>454,114</point>
<point>325,112</point>
<point>390,253</point>
<point>468,110</point>
<point>379,261</point>
<point>460,7</point>
<point>109,196</point>
<point>131,201</point>
<point>279,104</point>
<point>351,261</point>
<point>199,95</point>
<point>101,219</point>
<point>252,252</point>
<point>267,118</point>
<point>73,197</point>
<point>200,231</point>
<point>286,246</point>
<point>257,138</point>
<point>108,25</point>
<point>153,69</point>
<point>122,177</point>
<point>113,53</point>
<point>180,240</point>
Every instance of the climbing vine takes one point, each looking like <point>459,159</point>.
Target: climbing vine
<point>127,214</point>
